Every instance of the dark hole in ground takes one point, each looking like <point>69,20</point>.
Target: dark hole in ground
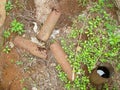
<point>103,72</point>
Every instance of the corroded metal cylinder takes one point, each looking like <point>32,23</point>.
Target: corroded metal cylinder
<point>61,58</point>
<point>49,25</point>
<point>101,74</point>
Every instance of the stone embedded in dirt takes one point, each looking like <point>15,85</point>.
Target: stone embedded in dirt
<point>2,12</point>
<point>11,44</point>
<point>31,47</point>
<point>35,40</point>
<point>43,8</point>
<point>35,28</point>
<point>61,58</point>
<point>49,25</point>
<point>55,33</point>
<point>34,88</point>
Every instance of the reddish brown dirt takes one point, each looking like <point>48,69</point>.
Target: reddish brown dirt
<point>10,73</point>
<point>43,73</point>
<point>69,8</point>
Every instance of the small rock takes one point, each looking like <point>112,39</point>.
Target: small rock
<point>11,44</point>
<point>23,35</point>
<point>34,88</point>
<point>35,28</point>
<point>53,64</point>
<point>42,9</point>
<point>35,40</point>
<point>55,32</point>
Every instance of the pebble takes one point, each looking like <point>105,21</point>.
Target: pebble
<point>34,88</point>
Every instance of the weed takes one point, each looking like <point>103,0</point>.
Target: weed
<point>24,88</point>
<point>19,63</point>
<point>7,49</point>
<point>106,86</point>
<point>118,67</point>
<point>8,6</point>
<point>17,27</point>
<point>83,2</point>
<point>101,45</point>
<point>6,34</point>
<point>12,61</point>
<point>22,81</point>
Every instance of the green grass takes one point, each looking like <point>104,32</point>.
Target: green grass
<point>7,49</point>
<point>101,45</point>
<point>8,6</point>
<point>17,27</point>
<point>22,80</point>
<point>19,63</point>
<point>83,2</point>
<point>6,34</point>
<point>24,88</point>
<point>118,67</point>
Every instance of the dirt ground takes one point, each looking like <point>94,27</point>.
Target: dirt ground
<point>19,69</point>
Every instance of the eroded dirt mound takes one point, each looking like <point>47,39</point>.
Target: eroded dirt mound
<point>10,74</point>
<point>70,7</point>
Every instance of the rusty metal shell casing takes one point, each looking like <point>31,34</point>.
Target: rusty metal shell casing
<point>30,47</point>
<point>61,58</point>
<point>49,25</point>
<point>96,79</point>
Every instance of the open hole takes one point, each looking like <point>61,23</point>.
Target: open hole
<point>103,72</point>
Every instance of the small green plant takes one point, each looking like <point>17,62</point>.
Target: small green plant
<point>24,88</point>
<point>12,61</point>
<point>19,63</point>
<point>105,87</point>
<point>22,81</point>
<point>17,27</point>
<point>8,6</point>
<point>7,49</point>
<point>101,44</point>
<point>118,67</point>
<point>83,2</point>
<point>6,34</point>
